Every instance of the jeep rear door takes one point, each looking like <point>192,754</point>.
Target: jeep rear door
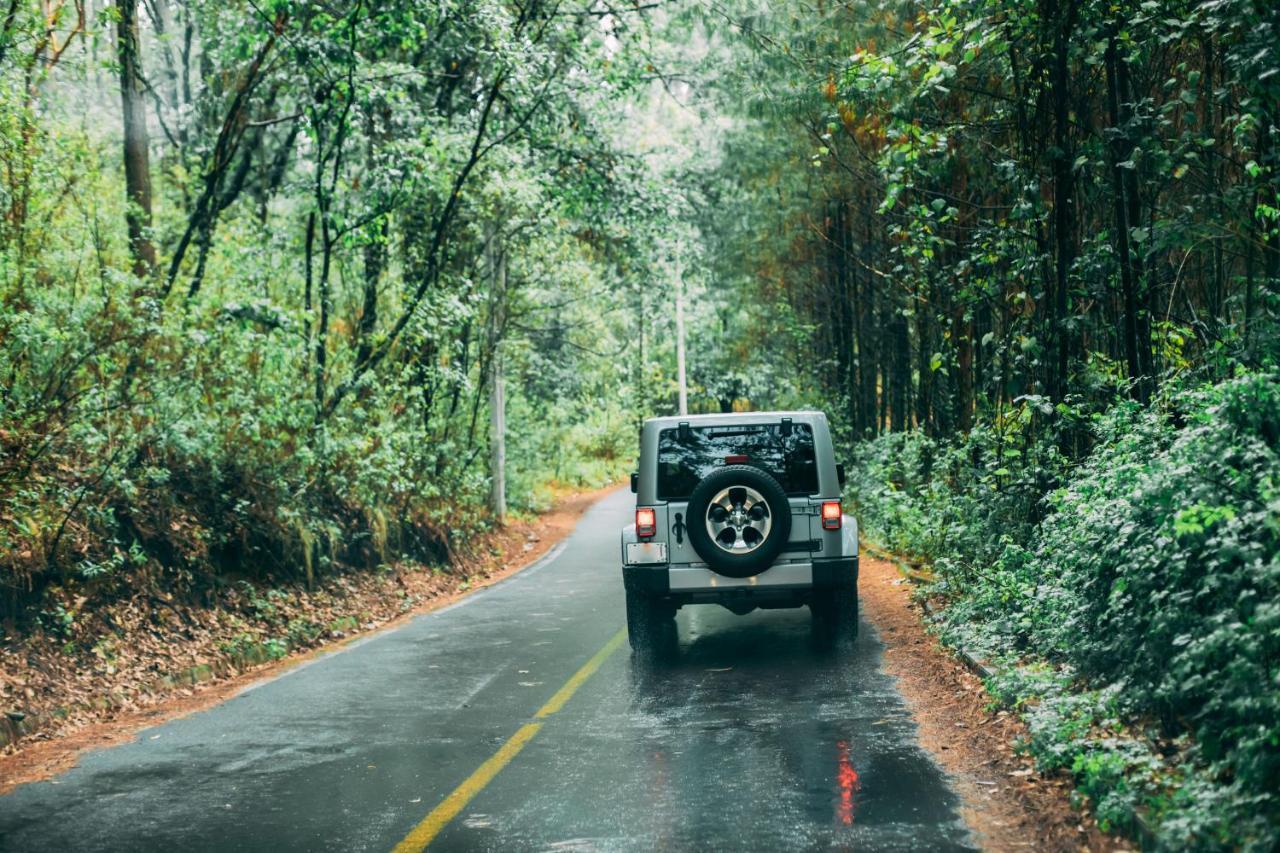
<point>688,453</point>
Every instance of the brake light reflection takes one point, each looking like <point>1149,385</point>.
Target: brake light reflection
<point>847,782</point>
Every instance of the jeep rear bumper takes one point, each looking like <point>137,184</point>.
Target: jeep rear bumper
<point>782,584</point>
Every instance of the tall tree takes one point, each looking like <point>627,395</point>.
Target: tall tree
<point>137,145</point>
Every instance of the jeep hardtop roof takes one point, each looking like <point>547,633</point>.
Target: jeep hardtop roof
<point>669,421</point>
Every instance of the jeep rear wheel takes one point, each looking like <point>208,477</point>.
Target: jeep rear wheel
<point>835,615</point>
<point>739,520</point>
<point>650,623</point>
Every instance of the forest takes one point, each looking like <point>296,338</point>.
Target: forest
<point>267,266</point>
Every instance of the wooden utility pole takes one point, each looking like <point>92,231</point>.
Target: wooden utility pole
<point>680,374</point>
<point>498,413</point>
<point>497,387</point>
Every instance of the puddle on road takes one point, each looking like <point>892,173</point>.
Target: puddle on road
<point>753,724</point>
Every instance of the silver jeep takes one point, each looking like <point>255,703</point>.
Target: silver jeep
<point>740,510</point>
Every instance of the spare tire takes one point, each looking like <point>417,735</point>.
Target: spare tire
<point>738,520</point>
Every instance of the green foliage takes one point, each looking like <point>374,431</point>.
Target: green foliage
<point>1034,248</point>
<point>1148,578</point>
<point>346,235</point>
<point>1026,256</point>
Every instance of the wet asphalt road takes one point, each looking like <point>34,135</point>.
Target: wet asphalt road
<point>749,738</point>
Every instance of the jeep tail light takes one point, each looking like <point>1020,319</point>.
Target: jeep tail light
<point>646,522</point>
<point>831,515</point>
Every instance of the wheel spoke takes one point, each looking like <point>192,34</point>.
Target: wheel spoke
<point>738,519</point>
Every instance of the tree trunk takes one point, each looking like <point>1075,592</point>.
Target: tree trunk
<point>137,160</point>
<point>964,367</point>
<point>864,312</point>
<point>1144,293</point>
<point>309,242</point>
<point>899,414</point>
<point>833,303</point>
<point>1063,195</point>
<point>924,394</point>
<point>680,357</point>
<point>324,299</point>
<point>375,256</point>
<point>1128,287</point>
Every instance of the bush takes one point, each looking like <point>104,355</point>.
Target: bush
<point>180,452</point>
<point>1149,572</point>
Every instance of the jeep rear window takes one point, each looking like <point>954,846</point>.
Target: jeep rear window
<point>684,462</point>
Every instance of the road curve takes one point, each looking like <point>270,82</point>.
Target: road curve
<point>749,738</point>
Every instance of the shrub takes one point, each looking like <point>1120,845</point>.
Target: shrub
<point>1148,574</point>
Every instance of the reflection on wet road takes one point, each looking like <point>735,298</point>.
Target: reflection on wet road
<point>746,737</point>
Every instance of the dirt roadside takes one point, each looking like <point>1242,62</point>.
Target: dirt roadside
<point>371,603</point>
<point>1007,804</point>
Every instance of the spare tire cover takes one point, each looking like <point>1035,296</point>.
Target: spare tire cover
<point>738,520</point>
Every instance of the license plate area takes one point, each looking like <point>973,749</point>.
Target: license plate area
<point>644,553</point>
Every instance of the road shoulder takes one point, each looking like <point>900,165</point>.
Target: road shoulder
<point>1007,804</point>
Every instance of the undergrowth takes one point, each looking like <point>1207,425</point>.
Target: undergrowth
<point>1130,602</point>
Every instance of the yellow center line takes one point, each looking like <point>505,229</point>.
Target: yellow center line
<point>426,831</point>
<point>556,702</point>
